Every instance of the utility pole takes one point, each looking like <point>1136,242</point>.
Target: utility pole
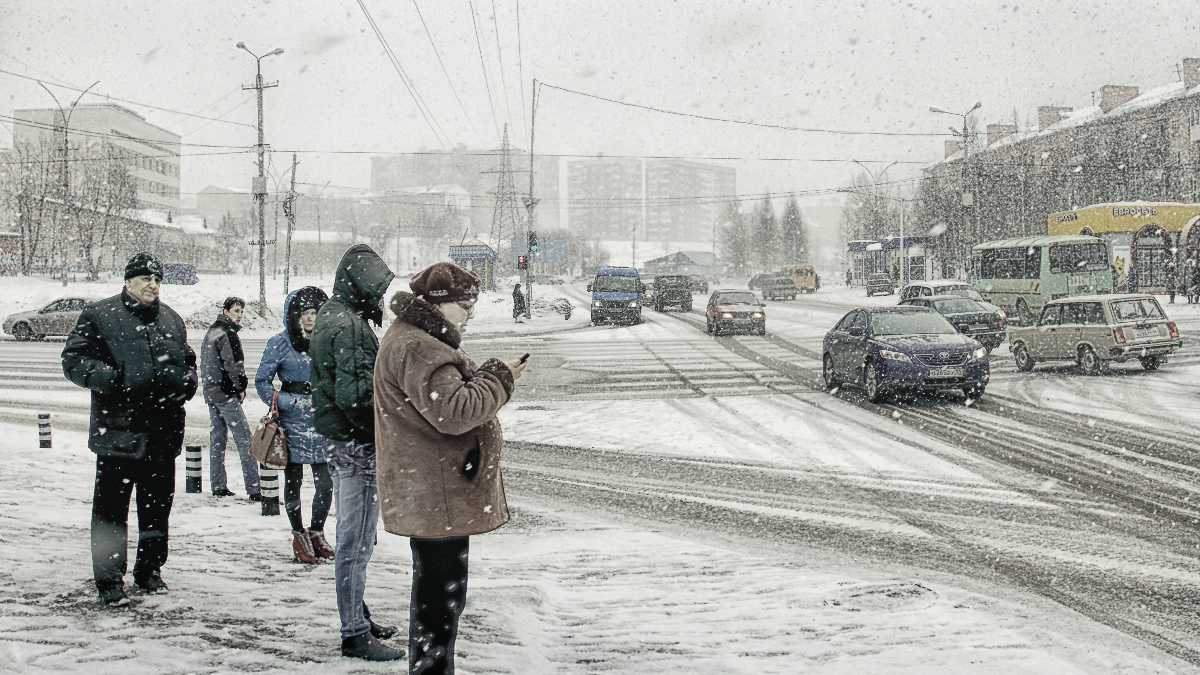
<point>531,203</point>
<point>967,198</point>
<point>289,210</point>
<point>260,182</point>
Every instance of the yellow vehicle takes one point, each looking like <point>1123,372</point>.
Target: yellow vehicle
<point>804,276</point>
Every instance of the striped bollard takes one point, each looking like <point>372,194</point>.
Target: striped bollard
<point>44,439</point>
<point>268,480</point>
<point>193,466</point>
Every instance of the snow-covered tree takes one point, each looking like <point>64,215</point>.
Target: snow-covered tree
<point>765,238</point>
<point>734,238</point>
<point>793,236</point>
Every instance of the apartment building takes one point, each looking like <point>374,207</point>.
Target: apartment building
<point>153,152</point>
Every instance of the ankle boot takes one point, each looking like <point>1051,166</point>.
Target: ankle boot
<point>303,548</point>
<point>320,545</point>
<point>366,647</point>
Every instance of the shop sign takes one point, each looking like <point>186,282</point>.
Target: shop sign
<point>1135,211</point>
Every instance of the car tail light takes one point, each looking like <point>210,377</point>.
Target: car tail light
<point>1171,327</point>
<point>1119,335</point>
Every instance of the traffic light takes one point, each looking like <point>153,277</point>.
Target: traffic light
<point>522,263</point>
<point>533,242</point>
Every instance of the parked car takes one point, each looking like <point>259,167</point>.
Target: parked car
<point>57,318</point>
<point>880,282</point>
<point>885,350</point>
<point>980,323</point>
<point>757,281</point>
<point>672,289</point>
<point>180,273</point>
<point>699,283</point>
<point>732,310</point>
<point>1095,330</point>
<point>780,287</point>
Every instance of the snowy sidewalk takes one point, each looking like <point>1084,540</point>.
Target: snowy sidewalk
<point>552,592</point>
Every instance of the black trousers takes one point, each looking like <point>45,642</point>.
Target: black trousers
<point>293,478</point>
<point>115,480</point>
<point>439,591</point>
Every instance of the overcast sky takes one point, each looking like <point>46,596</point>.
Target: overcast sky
<point>862,67</point>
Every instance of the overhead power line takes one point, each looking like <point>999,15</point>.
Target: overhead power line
<point>449,81</point>
<point>483,67</point>
<point>99,134</point>
<point>411,86</point>
<point>521,71</point>
<point>122,100</point>
<point>842,132</point>
<point>500,58</point>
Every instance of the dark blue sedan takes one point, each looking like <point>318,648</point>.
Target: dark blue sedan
<point>885,350</point>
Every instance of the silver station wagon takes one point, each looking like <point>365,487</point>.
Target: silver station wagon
<point>1095,330</point>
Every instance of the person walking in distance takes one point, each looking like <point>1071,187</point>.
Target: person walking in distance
<point>223,372</point>
<point>1172,282</point>
<point>131,351</point>
<point>518,304</point>
<point>438,442</point>
<point>286,355</point>
<point>342,349</point>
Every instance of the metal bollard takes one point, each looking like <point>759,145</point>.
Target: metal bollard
<point>268,480</point>
<point>193,466</point>
<point>44,439</point>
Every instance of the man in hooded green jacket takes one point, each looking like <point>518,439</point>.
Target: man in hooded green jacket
<point>342,349</point>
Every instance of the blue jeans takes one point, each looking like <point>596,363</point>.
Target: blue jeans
<point>356,494</point>
<point>226,417</point>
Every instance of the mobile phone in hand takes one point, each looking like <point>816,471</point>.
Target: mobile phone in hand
<point>524,358</point>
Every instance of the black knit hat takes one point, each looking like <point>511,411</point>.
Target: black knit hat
<point>143,263</point>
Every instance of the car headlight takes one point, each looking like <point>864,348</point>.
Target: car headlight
<point>895,356</point>
<point>633,304</point>
<point>757,315</point>
<point>726,315</point>
<point>596,303</point>
<point>1001,314</point>
<point>979,353</point>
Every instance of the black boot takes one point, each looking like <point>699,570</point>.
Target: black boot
<point>383,632</point>
<point>366,647</point>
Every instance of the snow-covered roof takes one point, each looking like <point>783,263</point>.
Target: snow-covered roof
<point>1083,116</point>
<point>158,218</point>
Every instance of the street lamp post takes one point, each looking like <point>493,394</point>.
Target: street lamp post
<point>968,198</point>
<point>260,184</point>
<point>875,191</point>
<point>66,151</point>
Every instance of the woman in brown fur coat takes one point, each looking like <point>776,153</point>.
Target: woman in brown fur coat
<point>438,447</point>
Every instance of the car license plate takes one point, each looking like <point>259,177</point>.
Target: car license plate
<point>942,373</point>
<point>979,326</point>
<point>1139,333</point>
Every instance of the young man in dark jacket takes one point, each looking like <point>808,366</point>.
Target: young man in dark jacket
<point>223,372</point>
<point>342,349</point>
<point>131,351</point>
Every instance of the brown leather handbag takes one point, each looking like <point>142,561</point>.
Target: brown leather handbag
<point>269,444</point>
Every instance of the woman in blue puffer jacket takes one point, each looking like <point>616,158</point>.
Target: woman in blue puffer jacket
<point>286,355</point>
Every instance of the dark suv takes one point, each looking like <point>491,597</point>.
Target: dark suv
<point>672,289</point>
<point>780,287</point>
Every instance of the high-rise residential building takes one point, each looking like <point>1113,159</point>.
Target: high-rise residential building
<point>684,199</point>
<point>604,197</point>
<point>473,169</point>
<point>153,152</point>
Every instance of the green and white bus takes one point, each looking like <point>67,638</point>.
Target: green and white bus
<point>1022,275</point>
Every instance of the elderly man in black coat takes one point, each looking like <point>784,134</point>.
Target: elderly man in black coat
<point>131,351</point>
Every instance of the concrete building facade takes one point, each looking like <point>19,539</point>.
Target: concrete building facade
<point>604,197</point>
<point>153,152</point>
<point>473,170</point>
<point>684,199</point>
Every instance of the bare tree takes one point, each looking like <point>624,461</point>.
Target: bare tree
<point>102,193</point>
<point>31,185</point>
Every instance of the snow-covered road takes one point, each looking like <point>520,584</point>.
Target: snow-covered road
<point>689,504</point>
